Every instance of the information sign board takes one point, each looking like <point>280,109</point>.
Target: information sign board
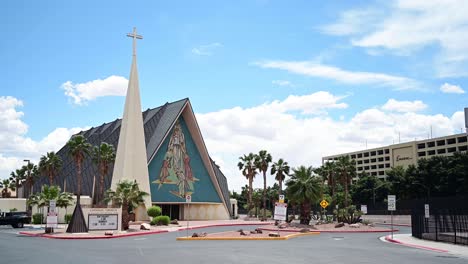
<point>280,211</point>
<point>103,221</point>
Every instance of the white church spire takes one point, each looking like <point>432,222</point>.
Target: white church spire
<point>131,161</point>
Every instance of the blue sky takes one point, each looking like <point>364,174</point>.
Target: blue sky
<point>302,79</point>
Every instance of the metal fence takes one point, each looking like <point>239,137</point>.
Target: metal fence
<point>448,225</point>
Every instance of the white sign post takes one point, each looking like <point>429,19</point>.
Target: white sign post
<point>364,208</point>
<point>426,210</point>
<point>280,211</point>
<point>188,200</point>
<point>391,207</point>
<point>52,220</point>
<point>52,206</point>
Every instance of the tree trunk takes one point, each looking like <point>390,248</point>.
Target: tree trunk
<point>125,216</point>
<point>51,179</point>
<point>101,186</point>
<point>78,194</point>
<point>305,213</point>
<point>264,194</point>
<point>346,190</point>
<point>250,194</point>
<point>280,186</point>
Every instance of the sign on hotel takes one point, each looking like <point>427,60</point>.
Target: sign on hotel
<point>102,221</point>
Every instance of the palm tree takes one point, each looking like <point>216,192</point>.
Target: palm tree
<point>17,178</point>
<point>303,189</point>
<point>262,161</point>
<point>50,164</point>
<point>281,169</point>
<point>328,172</point>
<point>346,169</point>
<point>7,184</point>
<point>103,156</point>
<point>78,148</point>
<point>31,174</point>
<point>127,193</point>
<point>247,166</point>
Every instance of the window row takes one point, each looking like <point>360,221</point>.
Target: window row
<point>442,151</point>
<point>443,142</point>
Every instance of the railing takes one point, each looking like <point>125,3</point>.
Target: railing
<point>448,225</point>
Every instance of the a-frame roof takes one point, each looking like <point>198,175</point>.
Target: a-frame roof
<point>157,123</point>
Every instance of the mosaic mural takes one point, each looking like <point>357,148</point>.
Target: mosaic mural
<point>176,168</point>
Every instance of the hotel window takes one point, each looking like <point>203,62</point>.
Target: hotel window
<point>374,173</point>
<point>451,150</point>
<point>463,148</point>
<point>366,161</point>
<point>359,168</point>
<point>381,166</point>
<point>462,139</point>
<point>421,145</point>
<point>451,141</point>
<point>431,144</point>
<point>387,158</point>
<point>431,152</point>
<point>373,153</point>
<point>380,159</point>
<point>366,154</point>
<point>380,152</point>
<point>359,155</point>
<point>366,167</point>
<point>373,160</point>
<point>387,151</point>
<point>373,167</point>
<point>440,151</point>
<point>440,142</point>
<point>387,165</point>
<point>422,154</point>
<point>359,162</point>
<point>353,156</point>
<point>381,172</point>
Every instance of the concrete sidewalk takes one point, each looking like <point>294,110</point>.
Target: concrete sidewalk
<point>410,241</point>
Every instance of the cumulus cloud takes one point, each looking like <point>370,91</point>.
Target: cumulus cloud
<point>15,146</point>
<point>88,91</point>
<point>334,73</point>
<point>206,50</point>
<point>410,26</point>
<point>404,106</point>
<point>450,88</point>
<point>287,130</point>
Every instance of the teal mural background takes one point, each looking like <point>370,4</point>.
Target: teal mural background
<point>204,190</point>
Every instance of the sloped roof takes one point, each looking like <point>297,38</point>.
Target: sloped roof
<point>157,123</point>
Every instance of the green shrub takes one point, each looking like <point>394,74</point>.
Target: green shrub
<point>348,215</point>
<point>68,218</point>
<point>161,220</point>
<point>13,210</point>
<point>37,218</point>
<point>154,211</point>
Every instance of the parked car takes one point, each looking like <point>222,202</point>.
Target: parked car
<point>15,219</point>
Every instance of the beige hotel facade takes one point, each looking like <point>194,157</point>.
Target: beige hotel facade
<point>377,161</point>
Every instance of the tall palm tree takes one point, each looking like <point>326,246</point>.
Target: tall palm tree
<point>281,169</point>
<point>50,164</point>
<point>78,148</point>
<point>328,173</point>
<point>303,189</point>
<point>247,166</point>
<point>262,161</point>
<point>30,174</point>
<point>103,156</point>
<point>126,193</point>
<point>345,166</point>
<point>17,178</point>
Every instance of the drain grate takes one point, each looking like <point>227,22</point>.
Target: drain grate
<point>446,257</point>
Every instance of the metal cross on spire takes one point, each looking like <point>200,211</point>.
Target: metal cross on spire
<point>135,37</point>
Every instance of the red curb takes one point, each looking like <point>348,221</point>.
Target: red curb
<point>215,225</point>
<point>92,237</point>
<point>335,231</point>
<point>391,240</point>
<point>408,225</point>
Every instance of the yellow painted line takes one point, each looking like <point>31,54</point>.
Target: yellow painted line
<point>248,238</point>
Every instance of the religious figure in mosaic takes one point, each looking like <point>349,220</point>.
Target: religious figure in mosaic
<point>176,167</point>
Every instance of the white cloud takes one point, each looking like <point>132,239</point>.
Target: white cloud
<point>15,146</point>
<point>450,88</point>
<point>410,26</point>
<point>88,91</point>
<point>206,50</point>
<point>344,76</point>
<point>404,106</point>
<point>282,83</point>
<point>283,128</point>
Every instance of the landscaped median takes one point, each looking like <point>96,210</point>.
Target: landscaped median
<point>235,235</point>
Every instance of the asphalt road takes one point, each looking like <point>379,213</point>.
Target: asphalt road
<point>163,248</point>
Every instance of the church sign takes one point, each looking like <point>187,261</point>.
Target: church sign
<point>103,221</point>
